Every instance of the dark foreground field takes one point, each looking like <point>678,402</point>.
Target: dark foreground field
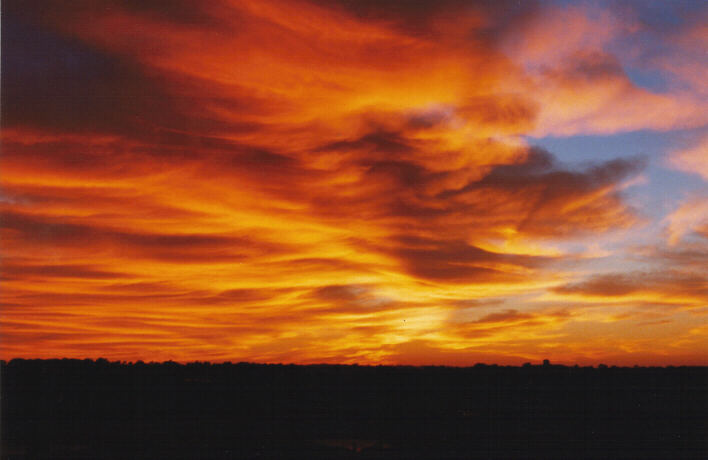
<point>84,409</point>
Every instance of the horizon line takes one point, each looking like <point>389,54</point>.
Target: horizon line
<point>544,364</point>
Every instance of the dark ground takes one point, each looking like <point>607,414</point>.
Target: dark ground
<point>68,409</point>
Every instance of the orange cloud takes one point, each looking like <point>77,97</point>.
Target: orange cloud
<point>578,59</point>
<point>690,217</point>
<point>667,286</point>
<point>301,181</point>
<point>694,159</point>
<point>589,92</point>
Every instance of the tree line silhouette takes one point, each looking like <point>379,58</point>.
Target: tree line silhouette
<point>99,409</point>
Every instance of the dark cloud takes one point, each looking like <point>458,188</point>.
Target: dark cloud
<point>76,299</point>
<point>605,285</point>
<point>81,158</point>
<point>500,112</point>
<point>686,256</point>
<point>48,13</point>
<point>60,83</point>
<point>458,261</point>
<point>183,12</point>
<point>318,264</point>
<point>340,292</point>
<point>388,143</point>
<point>399,175</point>
<point>14,271</point>
<point>666,283</point>
<point>535,195</point>
<point>350,298</point>
<point>188,248</point>
<point>111,200</point>
<point>540,172</point>
<point>56,82</point>
<point>541,192</point>
<point>434,233</point>
<point>268,171</point>
<point>509,315</point>
<point>502,321</point>
<point>592,66</point>
<point>419,16</point>
<point>463,304</point>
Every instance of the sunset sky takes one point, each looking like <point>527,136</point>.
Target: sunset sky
<point>355,181</point>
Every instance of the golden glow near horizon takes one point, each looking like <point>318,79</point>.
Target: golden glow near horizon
<point>306,181</point>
